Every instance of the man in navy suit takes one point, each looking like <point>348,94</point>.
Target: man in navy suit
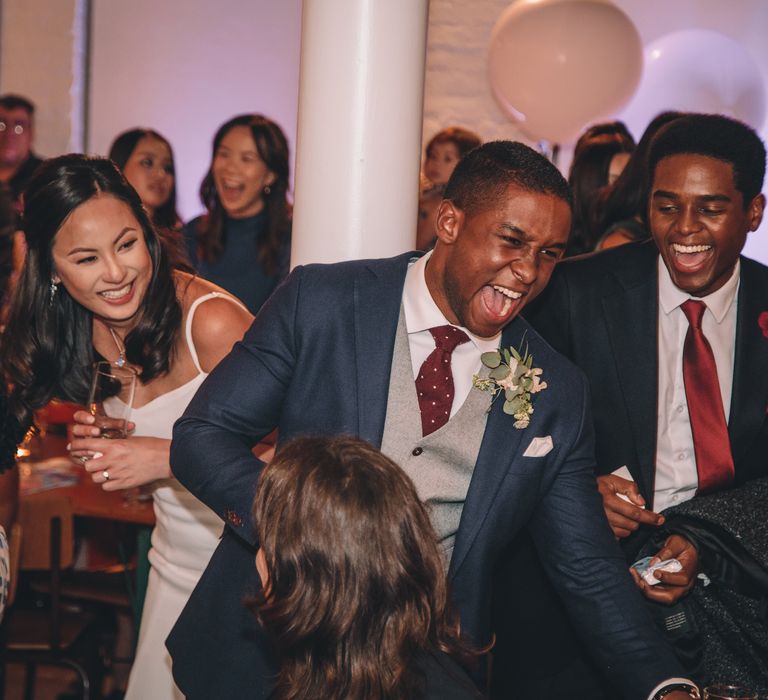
<point>337,349</point>
<point>620,317</point>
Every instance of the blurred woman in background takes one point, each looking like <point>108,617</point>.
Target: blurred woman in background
<point>600,155</point>
<point>619,216</point>
<point>443,152</point>
<point>146,159</point>
<point>243,242</point>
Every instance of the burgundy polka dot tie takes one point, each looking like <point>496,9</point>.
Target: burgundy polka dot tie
<point>711,445</point>
<point>434,383</point>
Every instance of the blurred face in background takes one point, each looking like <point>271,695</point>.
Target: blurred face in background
<point>616,166</point>
<point>15,136</point>
<point>239,173</point>
<point>441,160</point>
<point>150,171</point>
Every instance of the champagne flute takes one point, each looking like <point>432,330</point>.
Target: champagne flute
<point>728,692</point>
<point>111,398</point>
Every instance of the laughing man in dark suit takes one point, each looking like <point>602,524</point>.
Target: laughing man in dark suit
<point>621,317</point>
<point>337,350</point>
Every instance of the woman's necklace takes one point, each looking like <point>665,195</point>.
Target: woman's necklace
<point>120,348</point>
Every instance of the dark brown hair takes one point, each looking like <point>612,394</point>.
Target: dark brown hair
<point>272,147</point>
<point>47,346</point>
<point>356,584</point>
<point>120,151</point>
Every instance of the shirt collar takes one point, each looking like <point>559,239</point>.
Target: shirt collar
<point>670,296</point>
<point>421,311</point>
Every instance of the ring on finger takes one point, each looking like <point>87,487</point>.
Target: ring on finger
<point>105,474</point>
<point>83,459</point>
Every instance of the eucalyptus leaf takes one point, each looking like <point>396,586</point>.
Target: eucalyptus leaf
<point>490,359</point>
<point>511,394</point>
<point>507,356</point>
<point>508,409</point>
<point>500,372</point>
<point>516,355</point>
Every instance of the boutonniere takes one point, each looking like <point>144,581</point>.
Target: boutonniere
<point>513,374</point>
<point>762,321</point>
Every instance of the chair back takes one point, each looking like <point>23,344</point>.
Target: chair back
<point>37,516</point>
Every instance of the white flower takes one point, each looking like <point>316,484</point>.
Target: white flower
<point>519,382</point>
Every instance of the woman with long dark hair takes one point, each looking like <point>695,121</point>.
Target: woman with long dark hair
<point>354,592</point>
<point>97,285</point>
<point>145,157</point>
<point>243,241</point>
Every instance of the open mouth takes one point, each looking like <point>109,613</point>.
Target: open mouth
<point>500,301</point>
<point>118,296</point>
<point>690,256</point>
<point>231,189</point>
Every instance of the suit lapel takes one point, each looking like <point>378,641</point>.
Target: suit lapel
<point>749,398</point>
<point>500,445</point>
<point>378,294</point>
<point>630,308</point>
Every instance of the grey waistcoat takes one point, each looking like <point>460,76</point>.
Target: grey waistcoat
<point>440,464</point>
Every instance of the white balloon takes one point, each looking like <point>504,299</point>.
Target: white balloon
<point>556,66</point>
<point>697,70</point>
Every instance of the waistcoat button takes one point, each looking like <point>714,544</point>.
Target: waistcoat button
<point>417,451</point>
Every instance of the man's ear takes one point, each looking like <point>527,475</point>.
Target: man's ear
<point>756,209</point>
<point>449,221</point>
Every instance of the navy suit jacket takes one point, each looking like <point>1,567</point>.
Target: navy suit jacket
<point>317,361</point>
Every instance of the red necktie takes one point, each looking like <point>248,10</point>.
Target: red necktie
<point>714,461</point>
<point>434,383</point>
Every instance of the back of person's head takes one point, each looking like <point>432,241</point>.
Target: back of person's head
<point>625,198</point>
<point>356,584</point>
<point>482,177</point>
<point>10,101</point>
<point>120,152</point>
<point>603,132</point>
<point>464,139</point>
<point>715,136</point>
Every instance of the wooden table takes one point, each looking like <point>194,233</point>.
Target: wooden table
<point>89,500</point>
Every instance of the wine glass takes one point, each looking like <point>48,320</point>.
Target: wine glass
<point>728,692</point>
<point>111,398</point>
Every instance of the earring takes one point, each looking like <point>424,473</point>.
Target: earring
<point>52,292</point>
<point>267,189</point>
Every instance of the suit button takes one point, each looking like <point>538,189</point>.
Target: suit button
<point>417,451</point>
<point>234,518</point>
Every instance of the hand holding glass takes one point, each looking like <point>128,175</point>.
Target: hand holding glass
<point>111,398</point>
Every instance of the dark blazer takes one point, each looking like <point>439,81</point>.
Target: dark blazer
<point>601,312</point>
<point>317,361</point>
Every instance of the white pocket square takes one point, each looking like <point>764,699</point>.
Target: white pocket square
<point>539,447</point>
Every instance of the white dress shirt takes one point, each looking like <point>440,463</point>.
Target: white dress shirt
<point>421,314</point>
<point>676,476</point>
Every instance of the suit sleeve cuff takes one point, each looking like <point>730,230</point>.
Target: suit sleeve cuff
<point>668,682</point>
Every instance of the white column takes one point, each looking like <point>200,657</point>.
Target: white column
<point>361,90</point>
<point>43,58</point>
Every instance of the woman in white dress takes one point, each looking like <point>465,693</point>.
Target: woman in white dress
<point>97,285</point>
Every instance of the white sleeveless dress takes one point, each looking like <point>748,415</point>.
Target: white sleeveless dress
<point>185,534</point>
